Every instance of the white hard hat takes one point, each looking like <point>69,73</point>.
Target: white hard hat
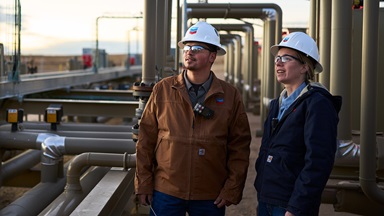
<point>205,33</point>
<point>301,42</point>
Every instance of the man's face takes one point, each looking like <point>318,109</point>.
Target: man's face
<point>197,56</point>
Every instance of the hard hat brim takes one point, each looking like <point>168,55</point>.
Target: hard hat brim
<point>220,50</point>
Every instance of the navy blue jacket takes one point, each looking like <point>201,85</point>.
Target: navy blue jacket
<point>297,153</point>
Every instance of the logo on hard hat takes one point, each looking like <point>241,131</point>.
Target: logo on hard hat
<point>193,30</point>
<point>285,39</point>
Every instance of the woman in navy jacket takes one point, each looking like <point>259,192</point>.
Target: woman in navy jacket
<point>300,134</point>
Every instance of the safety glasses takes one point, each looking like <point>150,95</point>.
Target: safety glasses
<point>194,49</point>
<point>287,58</point>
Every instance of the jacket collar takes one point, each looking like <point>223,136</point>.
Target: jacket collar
<point>179,83</point>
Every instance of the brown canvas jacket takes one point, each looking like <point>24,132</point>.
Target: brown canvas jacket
<point>185,155</point>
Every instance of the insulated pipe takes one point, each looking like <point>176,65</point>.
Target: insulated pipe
<point>325,40</point>
<point>95,159</point>
<point>19,164</point>
<point>368,102</point>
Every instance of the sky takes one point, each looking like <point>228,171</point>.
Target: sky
<point>58,27</point>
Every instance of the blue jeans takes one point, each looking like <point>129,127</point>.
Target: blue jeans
<point>265,209</point>
<point>166,205</point>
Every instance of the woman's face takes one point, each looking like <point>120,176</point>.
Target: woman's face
<point>293,70</point>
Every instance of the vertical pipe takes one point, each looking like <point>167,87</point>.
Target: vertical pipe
<point>368,102</point>
<point>312,19</point>
<point>168,26</point>
<point>245,63</point>
<point>270,81</point>
<point>263,77</point>
<point>179,29</point>
<point>160,54</point>
<point>237,61</point>
<point>341,62</point>
<point>149,72</point>
<point>325,40</point>
<point>249,76</point>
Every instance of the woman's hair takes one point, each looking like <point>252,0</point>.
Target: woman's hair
<point>311,65</point>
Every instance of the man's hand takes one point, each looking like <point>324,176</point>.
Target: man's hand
<point>145,199</point>
<point>222,202</point>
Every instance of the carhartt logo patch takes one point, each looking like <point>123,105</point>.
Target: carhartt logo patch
<point>269,159</point>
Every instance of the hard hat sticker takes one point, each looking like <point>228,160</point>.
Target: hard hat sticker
<point>193,30</point>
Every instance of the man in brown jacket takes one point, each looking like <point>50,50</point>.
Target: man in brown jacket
<point>193,145</point>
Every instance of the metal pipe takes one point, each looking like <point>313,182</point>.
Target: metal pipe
<point>19,164</point>
<point>95,159</point>
<point>160,29</point>
<point>65,203</point>
<point>149,67</point>
<point>73,145</point>
<point>84,134</point>
<point>79,145</point>
<point>368,102</point>
<point>35,199</point>
<point>325,40</point>
<point>341,62</point>
<point>22,140</point>
<point>74,127</point>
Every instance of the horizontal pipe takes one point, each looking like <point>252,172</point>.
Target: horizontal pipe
<point>72,127</point>
<point>79,145</point>
<point>84,134</point>
<point>73,145</point>
<point>22,140</point>
<point>19,164</point>
<point>223,13</point>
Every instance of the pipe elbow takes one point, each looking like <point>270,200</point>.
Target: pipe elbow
<point>347,154</point>
<point>53,148</point>
<point>270,14</point>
